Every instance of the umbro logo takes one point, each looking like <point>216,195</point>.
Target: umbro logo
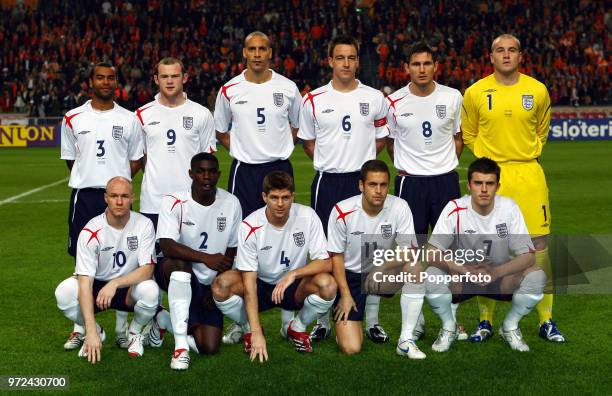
<point>84,132</point>
<point>357,233</point>
<point>490,90</point>
<point>242,102</point>
<point>189,223</point>
<point>470,231</point>
<point>153,123</point>
<point>107,248</point>
<point>406,114</point>
<point>327,111</point>
<point>266,248</point>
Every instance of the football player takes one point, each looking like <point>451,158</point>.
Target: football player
<point>100,140</point>
<point>342,125</point>
<point>197,233</point>
<point>386,219</point>
<point>272,268</point>
<point>506,117</point>
<point>114,265</point>
<point>494,225</point>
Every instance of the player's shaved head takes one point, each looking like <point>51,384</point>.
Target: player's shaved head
<point>101,64</point>
<point>117,181</point>
<point>506,36</point>
<point>256,33</point>
<point>167,61</point>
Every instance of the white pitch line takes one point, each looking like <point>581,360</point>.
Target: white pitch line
<point>33,191</point>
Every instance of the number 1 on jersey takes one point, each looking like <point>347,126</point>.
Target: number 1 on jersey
<point>490,100</point>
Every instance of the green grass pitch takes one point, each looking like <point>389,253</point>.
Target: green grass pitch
<point>32,330</point>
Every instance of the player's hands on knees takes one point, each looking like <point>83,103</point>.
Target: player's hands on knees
<point>258,346</point>
<point>281,286</point>
<point>483,270</point>
<point>105,296</point>
<point>93,347</point>
<point>343,309</point>
<point>218,262</point>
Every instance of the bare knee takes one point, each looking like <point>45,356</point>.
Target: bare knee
<point>177,265</point>
<point>349,348</point>
<point>222,287</point>
<point>327,286</point>
<point>207,339</point>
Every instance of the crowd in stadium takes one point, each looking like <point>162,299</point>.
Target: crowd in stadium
<point>46,51</point>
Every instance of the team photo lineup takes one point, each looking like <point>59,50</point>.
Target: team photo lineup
<point>235,253</point>
<point>324,196</point>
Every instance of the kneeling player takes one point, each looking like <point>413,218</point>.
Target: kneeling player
<point>386,218</point>
<point>272,269</point>
<point>114,265</point>
<point>492,228</point>
<point>197,232</point>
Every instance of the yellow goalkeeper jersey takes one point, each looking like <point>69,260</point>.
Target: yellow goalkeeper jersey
<point>506,123</point>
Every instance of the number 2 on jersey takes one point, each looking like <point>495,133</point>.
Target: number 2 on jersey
<point>203,245</point>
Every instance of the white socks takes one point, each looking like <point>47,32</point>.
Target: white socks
<point>371,311</point>
<point>234,309</point>
<point>146,295</point>
<point>525,298</point>
<point>411,305</point>
<point>441,305</point>
<point>179,299</point>
<point>313,307</point>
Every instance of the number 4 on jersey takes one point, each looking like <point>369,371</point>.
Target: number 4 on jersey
<point>284,260</point>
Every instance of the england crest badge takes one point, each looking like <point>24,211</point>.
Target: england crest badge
<point>299,239</point>
<point>221,223</point>
<point>502,230</point>
<point>441,111</point>
<point>386,230</point>
<point>132,243</point>
<point>528,102</point>
<point>364,109</point>
<point>187,122</point>
<point>279,99</point>
<point>117,132</point>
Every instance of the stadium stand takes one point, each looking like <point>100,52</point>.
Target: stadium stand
<point>47,46</point>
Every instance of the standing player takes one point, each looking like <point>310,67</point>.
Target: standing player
<point>100,140</point>
<point>272,270</point>
<point>197,233</point>
<point>373,213</point>
<point>342,125</point>
<point>425,143</point>
<point>506,117</point>
<point>494,226</point>
<point>114,265</point>
<point>256,118</point>
<point>175,129</point>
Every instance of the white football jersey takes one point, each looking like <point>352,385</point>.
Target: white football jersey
<point>272,251</point>
<point>344,125</point>
<point>357,235</point>
<point>106,253</point>
<point>101,144</point>
<point>423,129</point>
<point>172,136</point>
<point>210,229</point>
<point>499,234</point>
<point>259,117</point>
